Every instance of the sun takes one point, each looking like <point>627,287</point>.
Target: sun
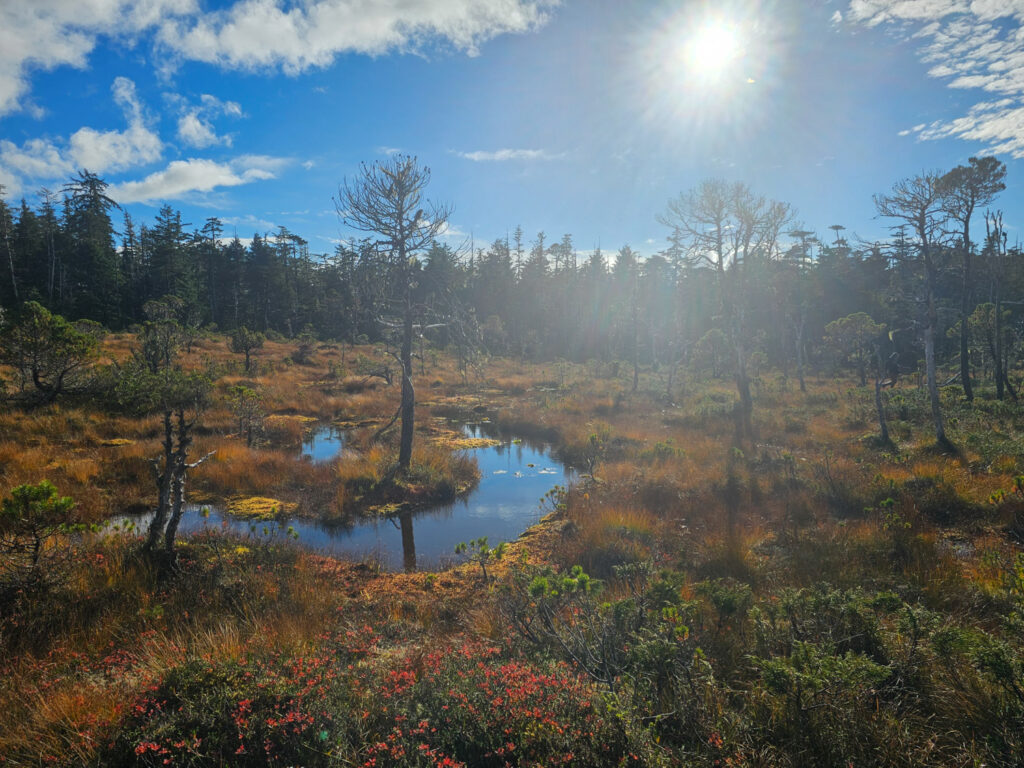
<point>712,50</point>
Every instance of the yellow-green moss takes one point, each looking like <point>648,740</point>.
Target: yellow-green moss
<point>260,508</point>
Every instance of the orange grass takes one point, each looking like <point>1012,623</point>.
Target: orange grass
<point>672,510</point>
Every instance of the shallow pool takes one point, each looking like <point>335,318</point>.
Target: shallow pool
<point>324,443</point>
<point>514,475</point>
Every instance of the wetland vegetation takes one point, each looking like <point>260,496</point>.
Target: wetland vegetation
<point>686,599</point>
<point>729,515</point>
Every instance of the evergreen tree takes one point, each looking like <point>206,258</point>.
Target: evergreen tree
<point>93,264</point>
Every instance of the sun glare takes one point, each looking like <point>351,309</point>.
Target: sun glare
<point>712,49</point>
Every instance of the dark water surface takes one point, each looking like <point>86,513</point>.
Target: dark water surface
<point>514,475</point>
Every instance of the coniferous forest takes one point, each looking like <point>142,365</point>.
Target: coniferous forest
<point>739,265</point>
<point>773,506</point>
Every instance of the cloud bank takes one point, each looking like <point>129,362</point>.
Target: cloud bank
<point>248,34</point>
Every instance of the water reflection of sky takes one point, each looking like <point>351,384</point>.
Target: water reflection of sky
<point>514,475</point>
<point>324,443</point>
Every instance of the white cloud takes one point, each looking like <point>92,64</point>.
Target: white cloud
<point>452,231</point>
<point>262,163</point>
<point>290,35</point>
<point>875,12</point>
<point>183,177</point>
<point>972,45</point>
<point>46,160</point>
<point>214,105</point>
<point>249,223</point>
<point>196,132</point>
<point>35,111</point>
<point>11,184</point>
<point>195,124</point>
<point>245,241</point>
<point>35,159</point>
<point>500,155</point>
<point>837,18</point>
<point>295,37</point>
<point>103,151</point>
<point>1000,126</point>
<point>45,34</point>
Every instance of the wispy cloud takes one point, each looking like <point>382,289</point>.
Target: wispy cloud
<point>195,123</point>
<point>502,155</point>
<point>249,223</point>
<point>453,232</point>
<point>184,177</point>
<point>972,45</point>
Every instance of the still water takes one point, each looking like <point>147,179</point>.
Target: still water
<point>324,443</point>
<point>514,475</point>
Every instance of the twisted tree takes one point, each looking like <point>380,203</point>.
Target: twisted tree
<point>918,203</point>
<point>386,198</point>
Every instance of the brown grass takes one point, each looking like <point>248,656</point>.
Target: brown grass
<point>808,449</point>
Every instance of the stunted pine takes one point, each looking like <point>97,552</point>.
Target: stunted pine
<point>918,203</point>
<point>386,199</point>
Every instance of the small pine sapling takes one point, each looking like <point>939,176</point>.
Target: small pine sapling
<point>478,551</point>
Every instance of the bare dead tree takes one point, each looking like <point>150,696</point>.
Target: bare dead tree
<point>995,237</point>
<point>724,226</point>
<point>965,189</point>
<point>386,198</point>
<point>918,202</point>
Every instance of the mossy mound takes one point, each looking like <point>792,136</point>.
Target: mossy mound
<point>290,417</point>
<point>467,443</point>
<point>260,508</point>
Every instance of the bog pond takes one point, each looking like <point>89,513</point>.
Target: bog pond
<point>514,475</point>
<point>325,443</point>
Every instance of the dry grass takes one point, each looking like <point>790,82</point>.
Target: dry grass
<point>799,519</point>
<point>60,696</point>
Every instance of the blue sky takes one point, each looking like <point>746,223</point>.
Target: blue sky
<point>580,117</point>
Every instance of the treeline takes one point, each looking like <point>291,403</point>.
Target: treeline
<point>742,285</point>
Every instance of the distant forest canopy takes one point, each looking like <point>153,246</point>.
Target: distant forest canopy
<point>739,266</point>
